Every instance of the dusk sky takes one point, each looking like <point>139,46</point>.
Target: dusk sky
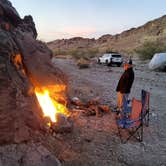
<point>57,19</point>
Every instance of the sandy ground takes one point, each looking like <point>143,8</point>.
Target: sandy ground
<point>95,140</point>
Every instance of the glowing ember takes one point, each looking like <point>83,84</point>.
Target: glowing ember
<point>48,104</point>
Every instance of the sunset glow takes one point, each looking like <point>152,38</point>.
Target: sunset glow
<point>65,19</point>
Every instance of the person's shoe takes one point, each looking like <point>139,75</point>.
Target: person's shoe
<point>118,115</point>
<point>115,109</point>
<point>117,112</point>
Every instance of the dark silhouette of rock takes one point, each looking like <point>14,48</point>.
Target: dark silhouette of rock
<point>10,13</point>
<point>24,62</point>
<point>14,84</point>
<point>37,61</point>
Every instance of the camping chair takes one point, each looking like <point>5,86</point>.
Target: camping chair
<point>134,123</point>
<point>145,97</point>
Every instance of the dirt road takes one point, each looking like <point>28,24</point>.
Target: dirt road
<point>95,141</point>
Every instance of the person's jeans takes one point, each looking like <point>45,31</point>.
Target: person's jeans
<point>120,99</point>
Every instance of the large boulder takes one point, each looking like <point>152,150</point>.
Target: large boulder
<point>158,62</point>
<point>24,63</point>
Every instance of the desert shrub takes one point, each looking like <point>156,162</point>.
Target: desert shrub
<point>110,50</point>
<point>149,48</point>
<point>84,53</point>
<point>59,52</point>
<point>78,53</point>
<point>82,63</point>
<point>92,52</point>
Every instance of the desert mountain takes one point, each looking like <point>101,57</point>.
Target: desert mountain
<point>124,42</point>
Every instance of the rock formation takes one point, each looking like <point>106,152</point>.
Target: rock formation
<point>24,63</point>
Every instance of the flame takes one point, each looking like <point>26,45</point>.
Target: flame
<point>17,59</point>
<point>49,103</point>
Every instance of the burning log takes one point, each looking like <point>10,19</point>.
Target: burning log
<point>76,101</point>
<point>104,108</point>
<point>63,125</point>
<point>93,107</point>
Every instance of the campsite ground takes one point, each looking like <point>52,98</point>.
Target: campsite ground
<point>95,140</point>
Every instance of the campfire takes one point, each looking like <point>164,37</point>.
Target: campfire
<point>52,101</point>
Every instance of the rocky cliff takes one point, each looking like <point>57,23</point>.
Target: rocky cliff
<point>15,109</point>
<point>24,64</point>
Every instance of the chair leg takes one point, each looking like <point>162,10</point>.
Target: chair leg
<point>131,135</point>
<point>147,119</point>
<point>139,135</point>
<point>119,133</point>
<point>123,141</point>
<point>142,131</point>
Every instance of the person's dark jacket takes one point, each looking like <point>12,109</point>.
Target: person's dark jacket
<point>126,81</point>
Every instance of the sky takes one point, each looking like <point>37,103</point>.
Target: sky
<point>58,19</point>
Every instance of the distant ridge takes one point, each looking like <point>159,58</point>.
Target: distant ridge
<point>124,42</point>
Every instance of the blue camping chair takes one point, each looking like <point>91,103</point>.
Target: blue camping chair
<point>133,118</point>
<point>132,123</point>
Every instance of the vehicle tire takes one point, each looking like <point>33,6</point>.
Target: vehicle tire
<point>119,64</point>
<point>109,64</point>
<point>106,62</point>
<point>99,61</point>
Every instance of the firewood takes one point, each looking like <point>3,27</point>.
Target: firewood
<point>76,101</point>
<point>104,108</point>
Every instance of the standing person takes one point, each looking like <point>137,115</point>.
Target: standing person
<point>124,84</point>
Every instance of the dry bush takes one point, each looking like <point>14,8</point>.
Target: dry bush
<point>149,48</point>
<point>84,53</point>
<point>59,52</point>
<point>83,63</point>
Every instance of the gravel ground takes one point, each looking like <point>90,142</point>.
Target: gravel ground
<point>94,140</point>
